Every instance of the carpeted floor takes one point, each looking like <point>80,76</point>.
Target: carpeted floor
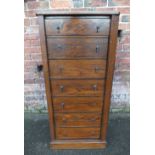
<point>37,137</point>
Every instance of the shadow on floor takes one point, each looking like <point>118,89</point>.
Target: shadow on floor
<point>36,133</point>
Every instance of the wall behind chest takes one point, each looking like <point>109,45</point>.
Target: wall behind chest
<point>35,99</point>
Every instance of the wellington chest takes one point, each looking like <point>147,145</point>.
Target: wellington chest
<point>78,51</point>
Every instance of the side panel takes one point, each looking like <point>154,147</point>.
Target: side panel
<point>109,76</point>
<point>46,75</point>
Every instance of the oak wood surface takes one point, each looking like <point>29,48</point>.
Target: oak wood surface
<point>77,87</point>
<point>77,133</point>
<point>77,119</point>
<point>46,75</point>
<point>110,72</point>
<point>77,47</point>
<point>77,68</point>
<point>77,104</point>
<point>77,26</point>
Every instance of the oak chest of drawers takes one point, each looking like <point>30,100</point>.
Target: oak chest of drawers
<point>78,51</point>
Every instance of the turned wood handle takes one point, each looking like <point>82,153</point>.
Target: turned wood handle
<point>96,69</point>
<point>62,105</point>
<point>95,87</point>
<point>97,29</point>
<point>58,29</point>
<point>62,88</point>
<point>97,48</point>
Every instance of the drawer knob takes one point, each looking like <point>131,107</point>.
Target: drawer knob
<point>62,88</point>
<point>95,87</point>
<point>96,69</point>
<point>97,29</point>
<point>97,48</point>
<point>62,105</point>
<point>58,29</point>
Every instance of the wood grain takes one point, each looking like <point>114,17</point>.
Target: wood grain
<point>77,87</point>
<point>110,72</point>
<point>77,26</point>
<point>77,69</point>
<point>77,47</point>
<point>77,133</point>
<point>77,119</point>
<point>46,75</point>
<point>77,104</point>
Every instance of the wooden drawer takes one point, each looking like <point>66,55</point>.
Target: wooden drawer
<point>77,47</point>
<point>77,119</point>
<point>77,26</point>
<point>77,87</point>
<point>77,133</point>
<point>77,68</point>
<point>77,104</point>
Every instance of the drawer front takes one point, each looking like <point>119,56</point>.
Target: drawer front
<point>77,104</point>
<point>78,120</point>
<point>77,87</point>
<point>77,26</point>
<point>77,133</point>
<point>77,47</point>
<point>77,68</point>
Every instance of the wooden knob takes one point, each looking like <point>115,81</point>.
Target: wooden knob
<point>97,48</point>
<point>62,105</point>
<point>96,69</point>
<point>62,88</point>
<point>95,87</point>
<point>58,29</point>
<point>97,29</point>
